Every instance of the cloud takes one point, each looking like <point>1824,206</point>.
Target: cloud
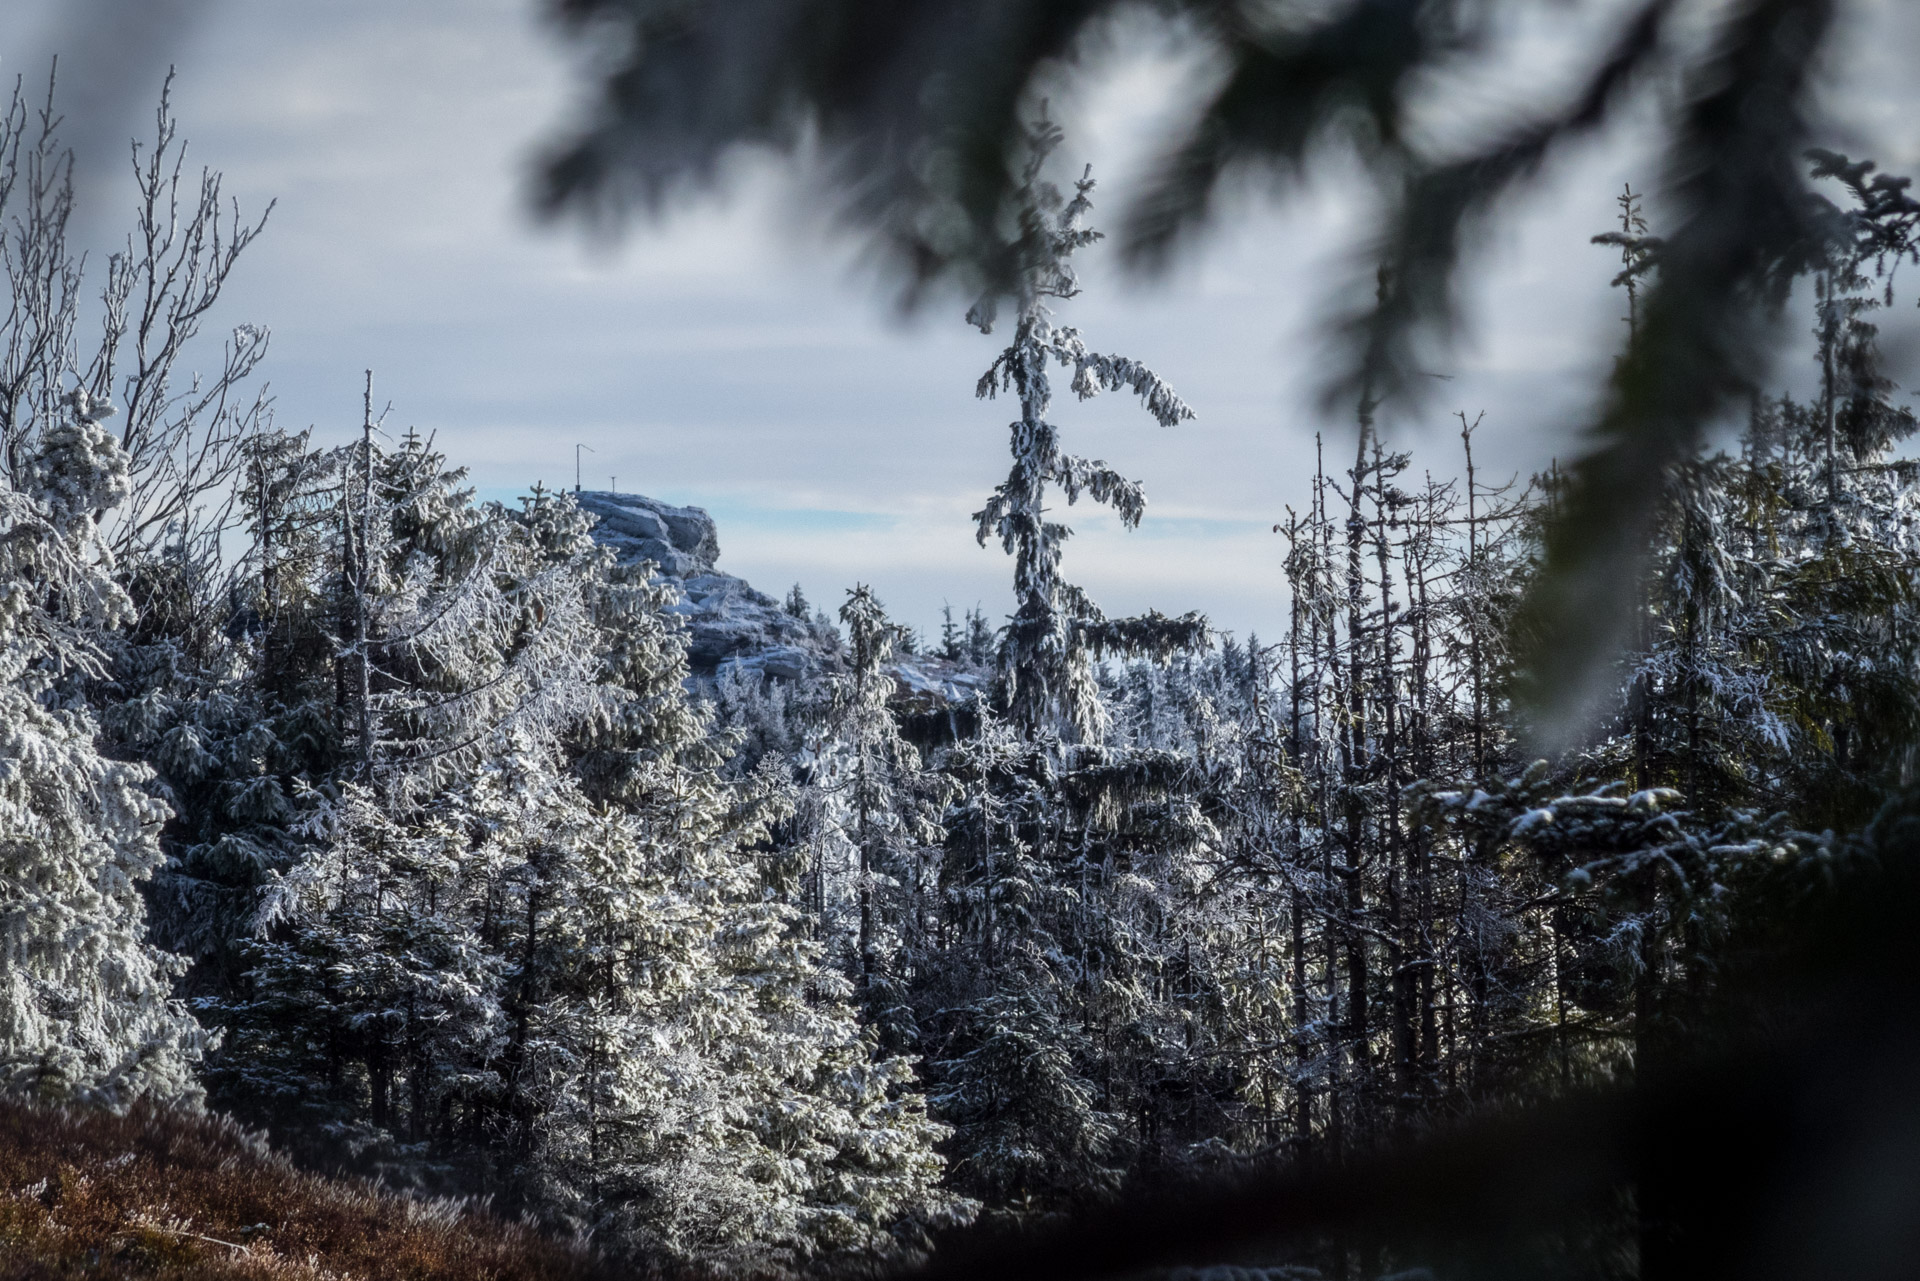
<point>734,357</point>
<point>113,58</point>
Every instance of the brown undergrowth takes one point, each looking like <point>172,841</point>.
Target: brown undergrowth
<point>165,1195</point>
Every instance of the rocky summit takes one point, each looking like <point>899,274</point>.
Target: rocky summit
<point>728,621</point>
<point>732,625</point>
<point>682,541</point>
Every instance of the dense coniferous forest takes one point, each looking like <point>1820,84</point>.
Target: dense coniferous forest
<point>397,825</point>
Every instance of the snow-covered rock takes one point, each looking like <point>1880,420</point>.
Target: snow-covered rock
<point>728,621</point>
<point>731,624</point>
<point>927,683</point>
<point>682,541</point>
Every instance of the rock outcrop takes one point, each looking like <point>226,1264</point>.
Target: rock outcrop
<point>732,626</point>
<point>682,541</point>
<point>926,684</point>
<point>728,622</point>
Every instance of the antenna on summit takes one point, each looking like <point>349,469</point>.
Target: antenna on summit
<point>576,465</point>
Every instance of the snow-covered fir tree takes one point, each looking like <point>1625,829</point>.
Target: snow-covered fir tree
<point>86,1002</point>
<point>112,475</point>
<point>873,826</point>
<point>1048,647</point>
<point>531,945</point>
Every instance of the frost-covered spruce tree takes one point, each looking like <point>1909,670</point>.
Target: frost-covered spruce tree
<point>86,1009</point>
<point>1013,1068</point>
<point>236,723</point>
<point>1046,651</point>
<point>1777,662</point>
<point>1042,964</point>
<point>84,630</point>
<point>455,635</point>
<point>874,827</point>
<point>1192,778</point>
<point>765,1126</point>
<point>488,636</point>
<point>1823,524</point>
<point>770,717</point>
<point>172,689</point>
<point>533,950</point>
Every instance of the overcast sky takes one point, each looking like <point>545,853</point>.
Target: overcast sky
<point>735,357</point>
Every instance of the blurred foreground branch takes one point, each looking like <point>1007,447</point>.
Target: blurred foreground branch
<point>918,111</point>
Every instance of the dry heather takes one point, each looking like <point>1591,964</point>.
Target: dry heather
<point>165,1195</point>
